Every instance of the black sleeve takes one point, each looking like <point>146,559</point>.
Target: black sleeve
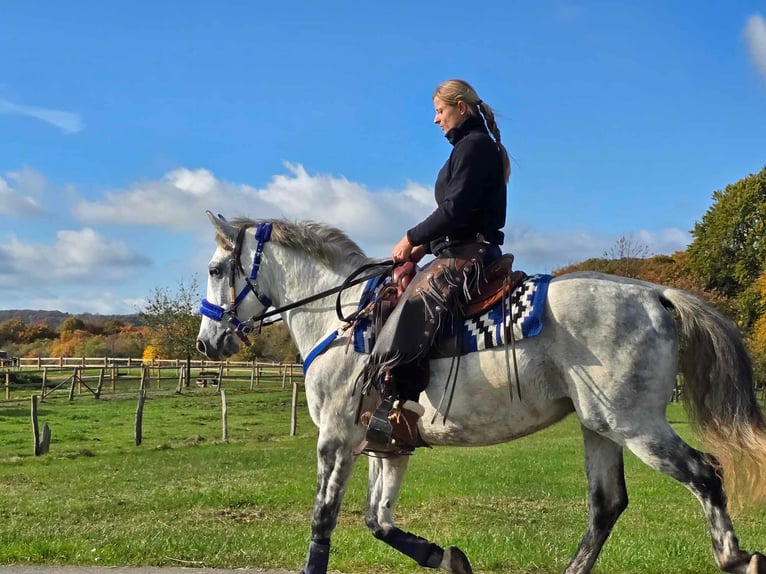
<point>471,162</point>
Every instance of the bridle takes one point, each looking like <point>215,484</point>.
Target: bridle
<point>228,312</point>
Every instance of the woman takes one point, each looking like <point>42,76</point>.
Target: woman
<point>463,232</point>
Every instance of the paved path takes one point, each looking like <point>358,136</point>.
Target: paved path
<point>41,569</point>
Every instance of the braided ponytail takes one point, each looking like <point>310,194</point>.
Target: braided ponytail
<point>454,91</point>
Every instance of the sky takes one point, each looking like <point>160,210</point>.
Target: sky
<point>121,123</point>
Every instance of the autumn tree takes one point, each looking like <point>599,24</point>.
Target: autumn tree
<point>273,343</point>
<point>10,330</point>
<point>173,320</point>
<point>757,339</point>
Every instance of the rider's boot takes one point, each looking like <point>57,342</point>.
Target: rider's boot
<point>394,425</point>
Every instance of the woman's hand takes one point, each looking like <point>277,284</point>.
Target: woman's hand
<point>406,251</point>
<point>401,251</point>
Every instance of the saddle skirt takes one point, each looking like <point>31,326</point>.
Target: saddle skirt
<point>516,302</point>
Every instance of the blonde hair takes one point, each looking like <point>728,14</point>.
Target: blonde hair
<point>453,91</point>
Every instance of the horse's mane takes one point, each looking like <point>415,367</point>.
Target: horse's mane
<point>324,242</point>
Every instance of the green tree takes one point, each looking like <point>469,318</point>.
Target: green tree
<point>173,320</point>
<point>729,246</point>
<point>71,324</point>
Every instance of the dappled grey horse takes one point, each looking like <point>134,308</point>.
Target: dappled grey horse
<point>609,351</point>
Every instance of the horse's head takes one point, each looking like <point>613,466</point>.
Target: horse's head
<point>232,296</point>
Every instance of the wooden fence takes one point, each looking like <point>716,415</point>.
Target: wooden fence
<point>84,375</point>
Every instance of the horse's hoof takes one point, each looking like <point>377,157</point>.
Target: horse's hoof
<point>757,564</point>
<point>455,562</point>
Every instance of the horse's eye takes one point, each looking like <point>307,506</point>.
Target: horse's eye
<point>214,271</point>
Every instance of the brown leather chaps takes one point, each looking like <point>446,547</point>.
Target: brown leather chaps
<point>437,293</point>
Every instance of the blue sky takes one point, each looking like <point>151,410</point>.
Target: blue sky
<point>121,123</point>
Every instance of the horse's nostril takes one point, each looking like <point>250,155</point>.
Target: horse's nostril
<point>200,346</point>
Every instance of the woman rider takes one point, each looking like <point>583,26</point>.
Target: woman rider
<point>466,225</point>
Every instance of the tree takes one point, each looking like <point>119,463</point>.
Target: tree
<point>71,324</point>
<point>273,343</point>
<point>10,330</point>
<point>173,320</point>
<point>757,339</point>
<point>627,252</point>
<point>729,246</point>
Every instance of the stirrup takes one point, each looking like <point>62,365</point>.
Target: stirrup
<point>379,428</point>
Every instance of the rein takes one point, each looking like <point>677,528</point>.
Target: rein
<point>243,328</point>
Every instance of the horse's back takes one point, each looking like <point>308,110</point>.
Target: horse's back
<point>606,342</point>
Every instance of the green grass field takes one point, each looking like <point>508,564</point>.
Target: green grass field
<point>184,498</point>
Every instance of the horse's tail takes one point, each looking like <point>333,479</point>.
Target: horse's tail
<point>719,393</point>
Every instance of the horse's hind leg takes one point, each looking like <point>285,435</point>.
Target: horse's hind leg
<point>663,450</point>
<point>385,479</point>
<point>607,497</point>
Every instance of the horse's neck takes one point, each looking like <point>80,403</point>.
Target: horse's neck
<point>298,277</point>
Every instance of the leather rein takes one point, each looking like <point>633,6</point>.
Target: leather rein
<point>228,312</point>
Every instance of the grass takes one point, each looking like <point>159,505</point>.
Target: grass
<point>185,498</point>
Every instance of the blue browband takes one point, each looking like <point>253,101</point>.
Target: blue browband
<point>217,313</point>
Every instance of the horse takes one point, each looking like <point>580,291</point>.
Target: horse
<point>609,351</point>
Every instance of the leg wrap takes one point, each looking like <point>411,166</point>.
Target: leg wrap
<point>425,553</point>
<point>317,559</point>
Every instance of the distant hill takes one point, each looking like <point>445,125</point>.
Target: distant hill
<point>54,318</point>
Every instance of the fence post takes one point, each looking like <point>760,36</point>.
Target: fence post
<point>7,385</point>
<point>71,387</point>
<point>294,411</point>
<point>45,380</point>
<point>140,415</point>
<point>41,445</point>
<point>224,417</point>
<point>187,375</point>
<point>100,383</point>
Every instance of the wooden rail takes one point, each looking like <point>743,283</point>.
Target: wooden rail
<point>98,374</point>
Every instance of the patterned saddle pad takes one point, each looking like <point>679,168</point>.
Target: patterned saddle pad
<point>523,310</point>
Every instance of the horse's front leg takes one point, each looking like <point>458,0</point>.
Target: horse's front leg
<point>385,480</point>
<point>334,464</point>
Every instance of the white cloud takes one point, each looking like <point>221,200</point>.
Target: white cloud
<point>17,191</point>
<point>755,36</point>
<point>376,220</point>
<point>179,200</point>
<point>82,257</point>
<point>66,121</point>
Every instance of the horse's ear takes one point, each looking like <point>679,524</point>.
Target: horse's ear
<point>223,227</point>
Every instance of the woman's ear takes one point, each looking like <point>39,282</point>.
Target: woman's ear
<point>462,108</point>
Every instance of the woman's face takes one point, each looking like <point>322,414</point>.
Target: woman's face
<point>447,115</point>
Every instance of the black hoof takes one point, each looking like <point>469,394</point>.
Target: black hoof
<point>455,562</point>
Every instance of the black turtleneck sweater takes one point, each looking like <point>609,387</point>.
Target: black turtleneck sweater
<point>470,190</point>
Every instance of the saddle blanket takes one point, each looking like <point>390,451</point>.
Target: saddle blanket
<point>523,310</point>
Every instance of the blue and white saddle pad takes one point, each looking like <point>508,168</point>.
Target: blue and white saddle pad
<point>524,312</point>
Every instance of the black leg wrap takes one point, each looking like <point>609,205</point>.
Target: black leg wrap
<point>317,559</point>
<point>422,551</point>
